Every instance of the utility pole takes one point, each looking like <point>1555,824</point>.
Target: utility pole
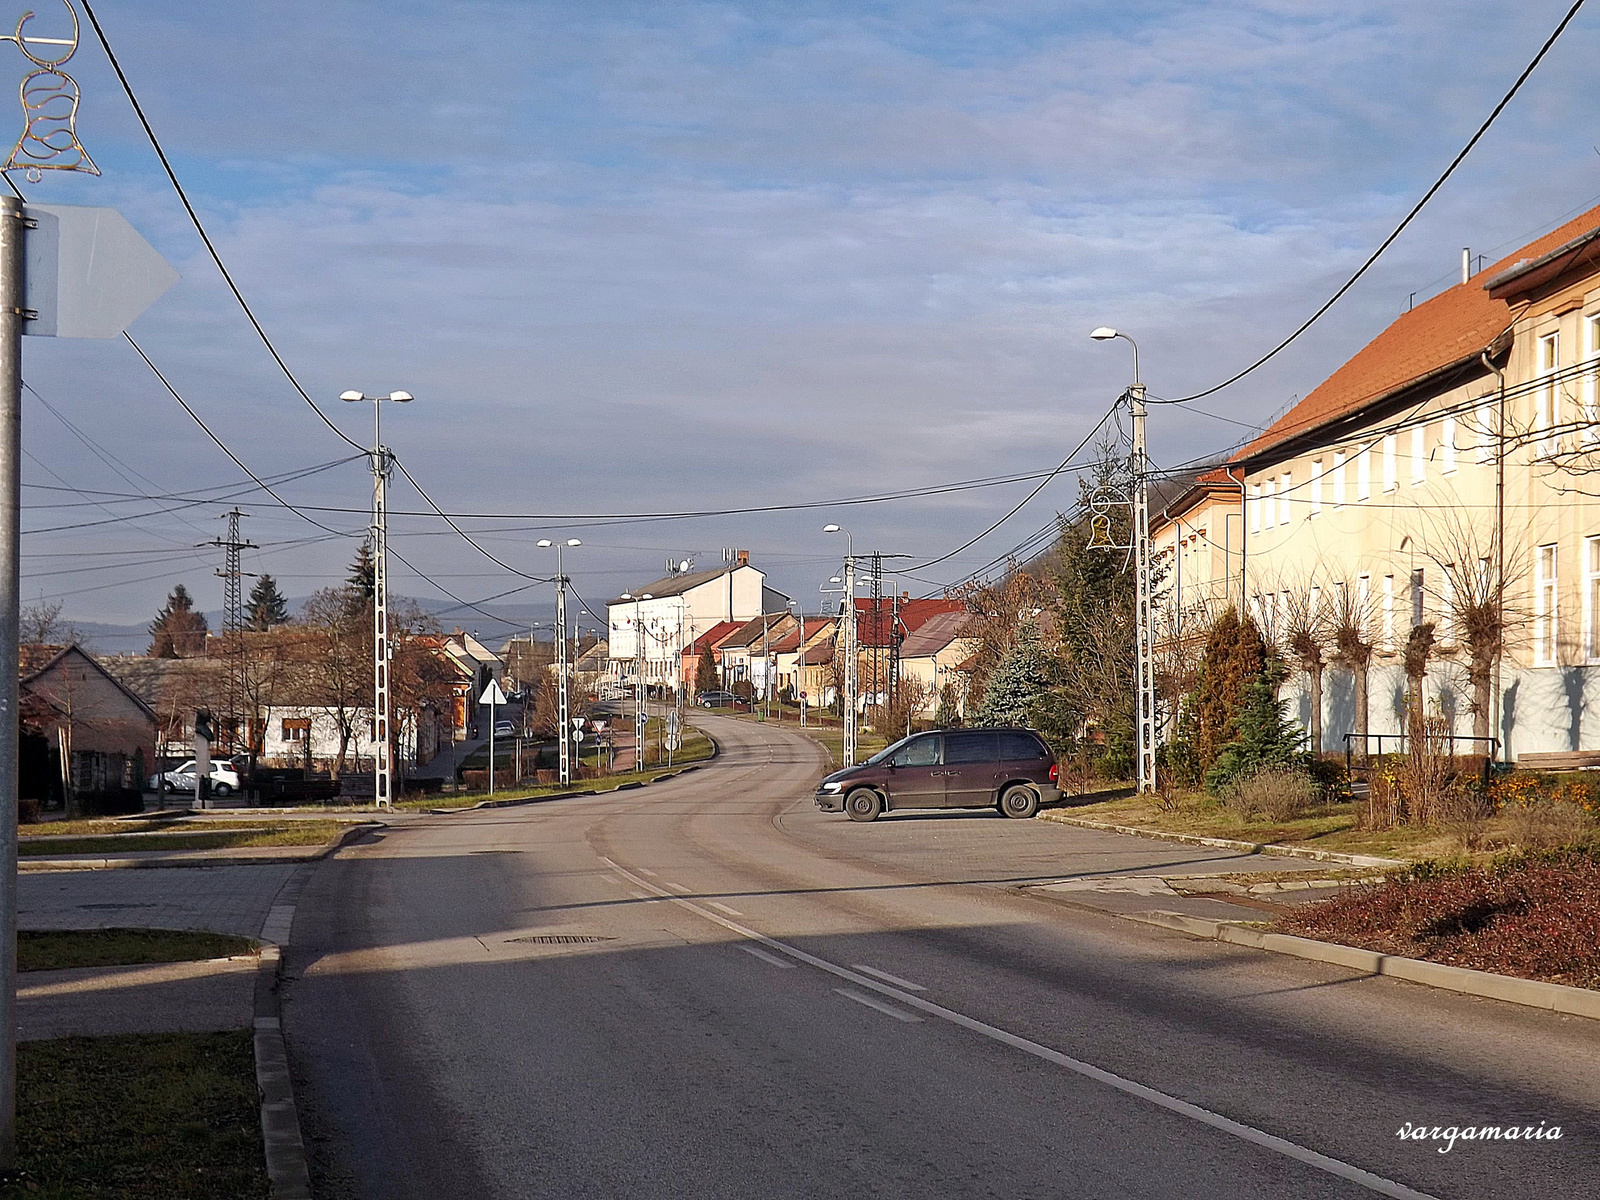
<point>563,700</point>
<point>233,622</point>
<point>382,464</point>
<point>11,260</point>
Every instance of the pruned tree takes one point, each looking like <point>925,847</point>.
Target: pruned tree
<point>1303,641</point>
<point>40,624</point>
<point>948,715</point>
<point>333,664</point>
<point>1351,634</point>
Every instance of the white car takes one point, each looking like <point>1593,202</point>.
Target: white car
<point>224,779</point>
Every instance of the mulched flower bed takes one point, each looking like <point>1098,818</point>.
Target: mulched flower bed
<point>1533,916</point>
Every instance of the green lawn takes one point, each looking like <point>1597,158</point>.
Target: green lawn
<point>1330,827</point>
<point>138,1117</point>
<point>696,748</point>
<point>207,836</point>
<point>53,949</point>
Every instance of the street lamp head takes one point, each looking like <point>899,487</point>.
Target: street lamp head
<point>351,397</point>
<point>1103,334</point>
<point>647,596</point>
<point>830,529</point>
<point>574,542</point>
<point>546,543</point>
<point>401,397</point>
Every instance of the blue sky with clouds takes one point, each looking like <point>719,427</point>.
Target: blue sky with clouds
<point>643,257</point>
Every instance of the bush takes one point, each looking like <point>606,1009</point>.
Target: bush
<point>1331,778</point>
<point>1277,793</point>
<point>1547,824</point>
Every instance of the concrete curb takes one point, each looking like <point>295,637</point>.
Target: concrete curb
<point>1533,993</point>
<point>287,1169</point>
<point>621,787</point>
<point>1327,856</point>
<point>312,854</point>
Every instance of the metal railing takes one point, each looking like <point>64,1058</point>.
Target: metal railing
<point>1351,766</point>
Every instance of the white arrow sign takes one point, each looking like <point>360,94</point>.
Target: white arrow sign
<point>492,694</point>
<point>89,274</point>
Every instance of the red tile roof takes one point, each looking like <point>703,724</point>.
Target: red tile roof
<point>1451,328</point>
<point>876,630</point>
<point>712,636</point>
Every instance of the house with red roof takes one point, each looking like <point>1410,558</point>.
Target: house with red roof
<point>1442,473</point>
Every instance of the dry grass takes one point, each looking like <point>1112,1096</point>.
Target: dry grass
<point>55,949</point>
<point>199,836</point>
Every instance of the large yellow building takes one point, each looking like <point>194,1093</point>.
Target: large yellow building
<point>1442,472</point>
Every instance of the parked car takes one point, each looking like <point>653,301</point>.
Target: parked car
<point>1009,769</point>
<point>504,729</point>
<point>224,779</point>
<point>716,699</point>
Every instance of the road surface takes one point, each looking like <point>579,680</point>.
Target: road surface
<point>706,988</point>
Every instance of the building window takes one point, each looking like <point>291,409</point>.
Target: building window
<point>1269,500</point>
<point>1419,455</point>
<point>1364,474</point>
<point>1547,397</point>
<point>1544,608</point>
<point>1388,611</point>
<point>296,729</point>
<point>1591,597</point>
<point>1591,381</point>
<point>1389,455</point>
<point>1447,446</point>
<point>1316,487</point>
<point>1283,504</point>
<point>1338,478</point>
<point>1255,508</point>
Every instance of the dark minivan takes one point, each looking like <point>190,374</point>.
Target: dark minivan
<point>1009,769</point>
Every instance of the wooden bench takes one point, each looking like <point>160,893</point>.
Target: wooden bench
<point>1562,760</point>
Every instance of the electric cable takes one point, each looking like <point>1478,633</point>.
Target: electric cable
<point>1410,216</point>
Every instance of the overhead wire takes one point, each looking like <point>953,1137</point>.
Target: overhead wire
<point>1409,217</point>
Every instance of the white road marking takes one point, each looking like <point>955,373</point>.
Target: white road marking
<point>642,895</point>
<point>888,978</point>
<point>767,958</point>
<point>679,888</point>
<point>885,1009</point>
<point>647,871</point>
<point>732,912</point>
<point>1204,1116</point>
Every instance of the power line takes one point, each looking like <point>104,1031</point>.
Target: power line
<point>200,228</point>
<point>1410,216</point>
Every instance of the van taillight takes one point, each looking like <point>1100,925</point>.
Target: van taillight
<point>1055,772</point>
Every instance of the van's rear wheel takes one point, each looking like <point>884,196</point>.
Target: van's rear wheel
<point>863,804</point>
<point>1019,802</point>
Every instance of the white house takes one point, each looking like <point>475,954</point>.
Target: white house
<point>650,634</point>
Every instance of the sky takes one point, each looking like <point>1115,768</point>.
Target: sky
<point>639,259</point>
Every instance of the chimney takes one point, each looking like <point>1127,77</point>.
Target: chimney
<point>1466,263</point>
<point>743,557</point>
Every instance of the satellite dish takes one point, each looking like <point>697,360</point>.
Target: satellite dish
<point>684,565</point>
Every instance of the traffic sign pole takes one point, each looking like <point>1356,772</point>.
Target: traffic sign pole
<point>11,283</point>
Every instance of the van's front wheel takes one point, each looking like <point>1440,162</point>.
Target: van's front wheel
<point>863,804</point>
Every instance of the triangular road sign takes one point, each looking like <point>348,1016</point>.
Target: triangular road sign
<point>492,694</point>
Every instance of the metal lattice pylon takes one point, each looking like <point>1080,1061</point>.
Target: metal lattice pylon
<point>233,623</point>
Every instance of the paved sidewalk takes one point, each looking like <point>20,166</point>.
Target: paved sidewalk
<point>224,899</point>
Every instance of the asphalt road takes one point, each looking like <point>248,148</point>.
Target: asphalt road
<point>708,989</point>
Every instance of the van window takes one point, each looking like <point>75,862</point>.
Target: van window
<point>1020,747</point>
<point>924,752</point>
<point>976,747</point>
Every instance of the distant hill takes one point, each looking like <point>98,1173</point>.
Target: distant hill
<point>105,638</point>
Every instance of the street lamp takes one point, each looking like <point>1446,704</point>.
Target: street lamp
<point>1144,624</point>
<point>849,754</point>
<point>563,704</point>
<point>382,765</point>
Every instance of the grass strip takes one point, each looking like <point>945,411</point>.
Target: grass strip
<point>288,833</point>
<point>696,748</point>
<point>138,1117</point>
<point>55,949</point>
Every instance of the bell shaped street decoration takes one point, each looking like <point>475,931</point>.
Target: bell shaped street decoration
<point>49,140</point>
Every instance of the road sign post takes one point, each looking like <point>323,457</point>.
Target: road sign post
<point>492,696</point>
<point>80,272</point>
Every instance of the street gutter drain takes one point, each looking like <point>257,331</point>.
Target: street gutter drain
<point>563,939</point>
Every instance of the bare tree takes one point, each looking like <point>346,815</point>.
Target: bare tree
<point>1303,639</point>
<point>40,624</point>
<point>1350,631</point>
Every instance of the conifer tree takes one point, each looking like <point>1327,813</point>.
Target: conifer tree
<point>1267,738</point>
<point>363,577</point>
<point>1235,655</point>
<point>705,672</point>
<point>267,607</point>
<point>1017,684</point>
<point>178,629</point>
